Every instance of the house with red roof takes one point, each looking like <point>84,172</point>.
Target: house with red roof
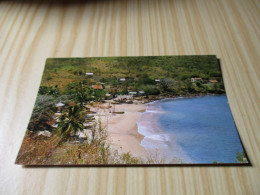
<point>193,80</point>
<point>213,81</point>
<point>97,87</point>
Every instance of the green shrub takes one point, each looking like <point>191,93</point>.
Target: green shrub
<point>149,89</point>
<point>241,157</point>
<point>43,111</point>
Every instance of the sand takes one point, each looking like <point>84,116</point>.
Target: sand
<point>122,128</point>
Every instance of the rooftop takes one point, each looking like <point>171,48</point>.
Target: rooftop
<point>97,86</point>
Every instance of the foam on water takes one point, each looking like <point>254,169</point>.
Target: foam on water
<point>195,130</point>
<point>156,140</point>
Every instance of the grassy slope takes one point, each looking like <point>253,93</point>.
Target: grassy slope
<point>62,71</point>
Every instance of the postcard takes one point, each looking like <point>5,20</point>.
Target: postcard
<point>132,111</point>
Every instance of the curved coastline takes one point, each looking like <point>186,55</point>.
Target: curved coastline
<point>142,132</point>
<point>157,140</point>
<point>122,130</point>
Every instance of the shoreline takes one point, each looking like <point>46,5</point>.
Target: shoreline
<point>158,143</point>
<point>153,98</point>
<point>122,129</point>
<point>125,135</point>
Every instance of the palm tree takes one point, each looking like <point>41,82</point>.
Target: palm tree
<point>82,95</point>
<point>71,122</point>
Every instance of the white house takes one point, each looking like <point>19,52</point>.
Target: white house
<point>60,104</point>
<point>108,95</point>
<point>55,125</point>
<point>132,92</point>
<point>45,133</point>
<point>123,79</point>
<point>89,73</point>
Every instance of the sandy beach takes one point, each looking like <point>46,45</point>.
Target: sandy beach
<point>122,128</point>
<point>149,142</point>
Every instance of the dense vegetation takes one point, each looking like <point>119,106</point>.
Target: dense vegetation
<point>67,75</point>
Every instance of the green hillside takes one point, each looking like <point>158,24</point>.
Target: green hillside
<point>175,72</point>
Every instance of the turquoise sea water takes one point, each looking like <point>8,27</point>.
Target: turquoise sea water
<point>195,130</point>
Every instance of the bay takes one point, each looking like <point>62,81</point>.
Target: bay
<point>190,130</point>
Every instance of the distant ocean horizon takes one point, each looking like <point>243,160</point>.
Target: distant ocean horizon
<point>190,130</point>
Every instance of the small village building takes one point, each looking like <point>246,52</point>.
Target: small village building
<point>52,123</point>
<point>109,96</point>
<point>157,80</point>
<point>193,80</point>
<point>55,125</point>
<point>141,93</point>
<point>213,81</point>
<point>59,106</point>
<point>132,93</point>
<point>58,115</point>
<point>89,73</point>
<point>45,133</point>
<point>97,87</point>
<point>123,79</point>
